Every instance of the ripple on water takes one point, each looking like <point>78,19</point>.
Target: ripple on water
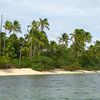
<point>50,87</point>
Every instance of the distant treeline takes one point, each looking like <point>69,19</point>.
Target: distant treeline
<point>35,51</point>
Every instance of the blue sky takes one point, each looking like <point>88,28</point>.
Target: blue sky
<point>63,15</point>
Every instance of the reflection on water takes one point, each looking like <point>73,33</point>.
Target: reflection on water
<point>50,87</point>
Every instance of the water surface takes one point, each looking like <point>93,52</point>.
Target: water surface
<point>50,87</point>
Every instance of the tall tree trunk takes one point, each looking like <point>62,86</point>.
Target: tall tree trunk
<point>20,56</point>
<point>4,45</point>
<point>34,51</point>
<point>31,51</point>
<point>0,32</point>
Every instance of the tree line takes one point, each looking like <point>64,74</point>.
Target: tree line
<point>35,51</point>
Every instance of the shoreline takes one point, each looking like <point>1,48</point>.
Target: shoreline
<point>28,71</point>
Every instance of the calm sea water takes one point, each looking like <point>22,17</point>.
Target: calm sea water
<point>50,87</point>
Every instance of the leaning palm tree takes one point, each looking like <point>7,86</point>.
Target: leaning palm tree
<point>79,39</point>
<point>16,26</point>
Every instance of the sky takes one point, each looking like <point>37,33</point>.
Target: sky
<point>63,15</point>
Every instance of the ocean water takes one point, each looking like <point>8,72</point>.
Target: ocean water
<point>50,87</point>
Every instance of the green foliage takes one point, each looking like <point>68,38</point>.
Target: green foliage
<point>91,58</point>
<point>35,51</point>
<point>43,63</point>
<point>26,63</point>
<point>4,62</point>
<point>79,38</point>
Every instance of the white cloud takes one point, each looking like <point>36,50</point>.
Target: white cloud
<point>64,15</point>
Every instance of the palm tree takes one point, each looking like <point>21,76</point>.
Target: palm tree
<point>79,39</point>
<point>13,27</point>
<point>21,41</point>
<point>37,36</point>
<point>44,24</point>
<point>16,27</point>
<point>32,36</point>
<point>64,39</point>
<point>8,26</point>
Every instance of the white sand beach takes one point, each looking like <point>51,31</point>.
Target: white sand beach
<point>28,71</point>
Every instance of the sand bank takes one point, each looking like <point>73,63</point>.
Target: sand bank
<point>28,71</point>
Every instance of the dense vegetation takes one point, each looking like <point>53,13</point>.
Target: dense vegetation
<point>35,51</point>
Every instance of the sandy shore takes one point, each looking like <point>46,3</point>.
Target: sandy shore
<point>28,71</point>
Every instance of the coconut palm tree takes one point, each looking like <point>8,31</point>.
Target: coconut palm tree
<point>32,36</point>
<point>37,36</point>
<point>64,39</point>
<point>44,24</point>
<point>16,27</point>
<point>79,39</point>
<point>8,26</point>
<point>13,27</point>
